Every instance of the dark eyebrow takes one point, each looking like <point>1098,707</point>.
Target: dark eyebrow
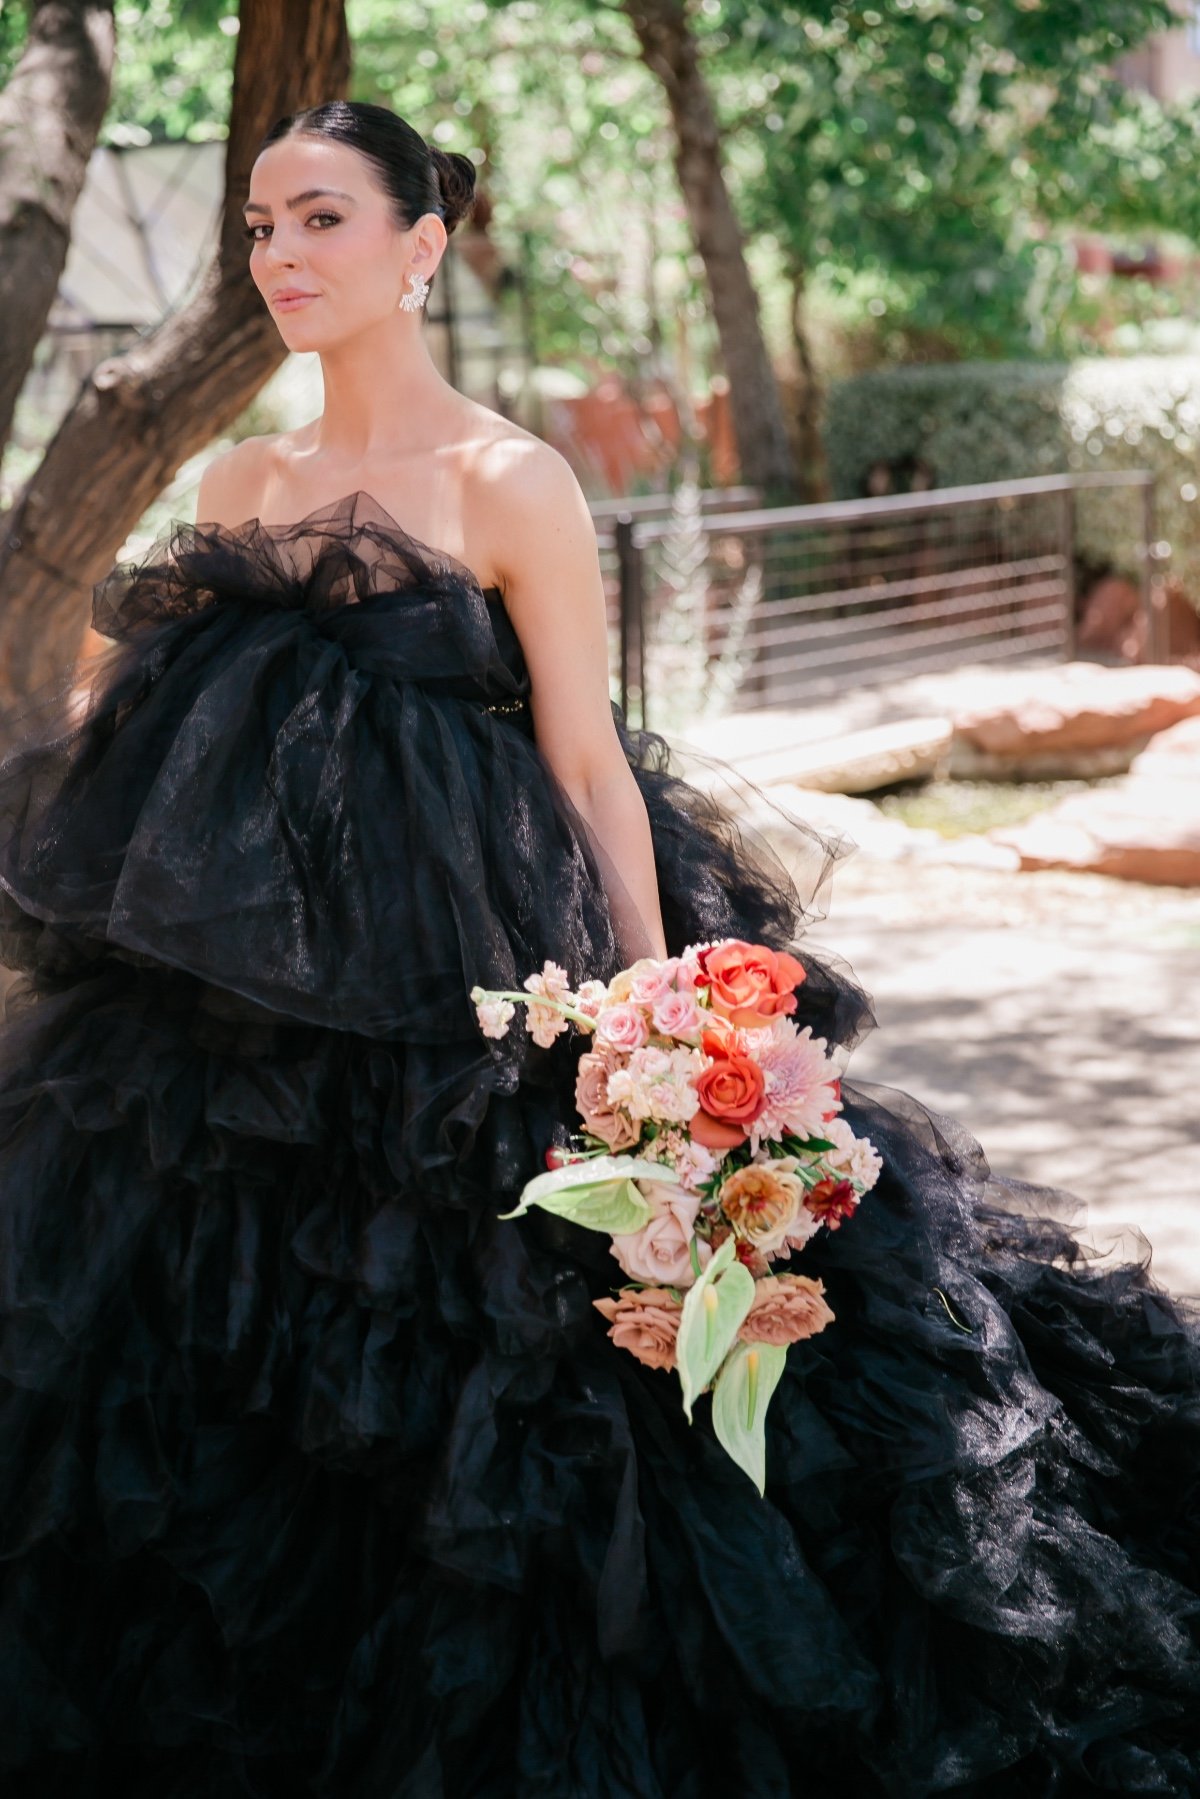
<point>310,193</point>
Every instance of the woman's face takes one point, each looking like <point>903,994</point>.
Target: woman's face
<point>321,226</point>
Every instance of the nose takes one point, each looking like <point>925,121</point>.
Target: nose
<point>280,253</point>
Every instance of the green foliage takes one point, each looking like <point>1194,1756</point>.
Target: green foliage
<point>14,29</point>
<point>917,147</point>
<point>174,70</point>
<point>917,159</point>
<point>571,137</point>
<point>968,422</point>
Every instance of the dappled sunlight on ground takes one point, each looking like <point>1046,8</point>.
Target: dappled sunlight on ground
<point>1057,1015</point>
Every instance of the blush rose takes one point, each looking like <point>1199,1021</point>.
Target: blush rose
<point>659,1252</point>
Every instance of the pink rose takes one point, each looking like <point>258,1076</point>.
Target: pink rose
<point>623,1025</point>
<point>677,1015</point>
<point>600,1116</point>
<point>644,1322</point>
<point>650,984</point>
<point>672,1197</point>
<point>785,1308</point>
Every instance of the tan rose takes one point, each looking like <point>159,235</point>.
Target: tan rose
<point>645,1322</point>
<point>602,1119</point>
<point>785,1309</point>
<point>760,1203</point>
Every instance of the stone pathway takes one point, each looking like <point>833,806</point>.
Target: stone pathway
<point>1056,1015</point>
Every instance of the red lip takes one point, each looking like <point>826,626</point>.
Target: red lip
<point>292,293</point>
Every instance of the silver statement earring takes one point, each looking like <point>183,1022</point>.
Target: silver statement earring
<point>413,302</point>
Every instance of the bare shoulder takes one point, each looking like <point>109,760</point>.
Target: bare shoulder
<point>530,503</point>
<point>233,480</point>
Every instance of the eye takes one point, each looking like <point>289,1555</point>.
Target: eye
<point>252,231</point>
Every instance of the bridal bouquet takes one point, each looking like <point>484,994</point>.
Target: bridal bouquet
<point>711,1148</point>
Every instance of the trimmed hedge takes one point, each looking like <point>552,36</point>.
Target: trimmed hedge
<point>970,421</point>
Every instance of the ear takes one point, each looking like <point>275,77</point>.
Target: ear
<point>427,243</point>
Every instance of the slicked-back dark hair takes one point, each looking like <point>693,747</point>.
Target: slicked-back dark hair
<point>417,177</point>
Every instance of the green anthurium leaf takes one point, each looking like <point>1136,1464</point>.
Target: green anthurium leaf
<point>600,1193</point>
<point>708,1325</point>
<point>741,1394</point>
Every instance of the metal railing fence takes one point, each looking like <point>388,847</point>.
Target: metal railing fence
<point>779,606</point>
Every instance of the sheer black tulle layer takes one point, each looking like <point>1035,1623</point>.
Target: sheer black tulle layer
<point>318,1478</point>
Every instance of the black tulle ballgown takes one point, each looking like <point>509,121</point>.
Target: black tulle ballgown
<point>317,1478</point>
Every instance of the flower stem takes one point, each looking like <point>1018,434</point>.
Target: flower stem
<point>582,1018</point>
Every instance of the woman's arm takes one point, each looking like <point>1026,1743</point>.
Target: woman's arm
<point>536,515</point>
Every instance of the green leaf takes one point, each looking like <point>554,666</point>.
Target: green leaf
<point>793,1145</point>
<point>708,1326</point>
<point>741,1395</point>
<point>600,1193</point>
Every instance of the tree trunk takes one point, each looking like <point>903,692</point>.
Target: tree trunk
<point>142,414</point>
<point>670,52</point>
<point>50,113</point>
<point>806,414</point>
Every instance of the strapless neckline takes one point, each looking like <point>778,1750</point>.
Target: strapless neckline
<point>360,493</point>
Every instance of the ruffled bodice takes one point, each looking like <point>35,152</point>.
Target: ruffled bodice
<point>302,755</point>
<point>391,605</point>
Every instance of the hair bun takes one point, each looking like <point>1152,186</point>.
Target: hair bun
<point>456,180</point>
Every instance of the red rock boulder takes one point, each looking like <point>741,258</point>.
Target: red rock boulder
<point>1144,828</point>
<point>1078,719</point>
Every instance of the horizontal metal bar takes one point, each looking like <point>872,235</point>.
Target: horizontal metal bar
<point>1014,600</point>
<point>632,504</point>
<point>984,652</point>
<point>898,643</point>
<point>934,499</point>
<point>917,584</point>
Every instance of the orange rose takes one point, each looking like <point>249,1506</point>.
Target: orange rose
<point>714,1133</point>
<point>733,1087</point>
<point>748,983</point>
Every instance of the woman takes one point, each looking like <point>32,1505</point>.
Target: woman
<point>319,1477</point>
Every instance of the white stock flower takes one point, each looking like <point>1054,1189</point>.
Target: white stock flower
<point>494,1015</point>
<point>552,981</point>
<point>544,1024</point>
<point>851,1155</point>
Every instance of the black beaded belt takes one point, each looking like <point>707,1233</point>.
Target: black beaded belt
<point>509,706</point>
